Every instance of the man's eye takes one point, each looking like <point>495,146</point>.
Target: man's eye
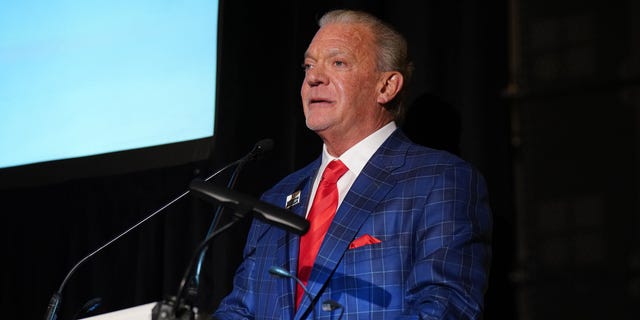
<point>339,63</point>
<point>306,66</point>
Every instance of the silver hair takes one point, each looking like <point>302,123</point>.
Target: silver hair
<point>392,49</point>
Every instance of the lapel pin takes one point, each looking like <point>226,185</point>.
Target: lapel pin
<point>292,199</point>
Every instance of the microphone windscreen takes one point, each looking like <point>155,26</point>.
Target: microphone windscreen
<point>259,149</point>
<point>265,145</point>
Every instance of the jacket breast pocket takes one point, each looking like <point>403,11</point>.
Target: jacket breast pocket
<point>373,273</point>
<point>390,248</point>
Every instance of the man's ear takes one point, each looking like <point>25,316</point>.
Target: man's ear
<point>391,84</point>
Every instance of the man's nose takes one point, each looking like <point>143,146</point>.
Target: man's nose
<point>315,76</point>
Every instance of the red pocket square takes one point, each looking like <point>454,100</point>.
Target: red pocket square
<point>363,241</point>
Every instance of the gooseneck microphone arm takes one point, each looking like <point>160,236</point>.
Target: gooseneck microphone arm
<point>279,272</point>
<point>327,305</point>
<point>259,149</point>
<point>54,303</point>
<point>282,273</point>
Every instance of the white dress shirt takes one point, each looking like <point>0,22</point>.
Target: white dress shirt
<point>355,159</point>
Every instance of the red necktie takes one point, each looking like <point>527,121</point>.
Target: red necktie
<point>322,211</point>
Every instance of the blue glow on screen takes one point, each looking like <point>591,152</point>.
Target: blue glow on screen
<point>79,78</point>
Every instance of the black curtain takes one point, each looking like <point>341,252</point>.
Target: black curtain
<point>459,48</point>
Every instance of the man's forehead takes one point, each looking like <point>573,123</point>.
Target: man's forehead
<point>337,38</point>
<point>350,31</point>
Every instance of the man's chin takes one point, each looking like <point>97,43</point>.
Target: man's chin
<point>317,126</point>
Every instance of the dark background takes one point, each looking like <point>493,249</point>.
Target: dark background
<point>541,96</point>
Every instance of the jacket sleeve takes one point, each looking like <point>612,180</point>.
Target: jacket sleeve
<point>239,304</point>
<point>453,250</point>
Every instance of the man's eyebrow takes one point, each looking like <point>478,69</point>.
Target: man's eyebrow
<point>332,52</point>
<point>336,52</point>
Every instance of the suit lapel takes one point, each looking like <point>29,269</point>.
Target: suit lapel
<point>288,243</point>
<point>372,185</point>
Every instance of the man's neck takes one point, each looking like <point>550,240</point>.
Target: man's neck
<point>336,145</point>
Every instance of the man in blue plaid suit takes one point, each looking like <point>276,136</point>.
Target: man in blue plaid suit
<point>411,235</point>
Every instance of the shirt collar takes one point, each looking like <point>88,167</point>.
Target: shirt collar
<point>357,156</point>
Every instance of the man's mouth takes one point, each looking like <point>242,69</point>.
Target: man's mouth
<point>320,101</point>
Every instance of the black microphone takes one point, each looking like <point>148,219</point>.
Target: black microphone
<point>258,150</point>
<point>243,204</point>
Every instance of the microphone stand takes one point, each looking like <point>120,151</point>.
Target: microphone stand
<point>258,150</point>
<point>187,309</point>
<point>179,308</point>
<point>194,284</point>
<point>176,307</point>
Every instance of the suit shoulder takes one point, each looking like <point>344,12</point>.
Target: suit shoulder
<point>399,148</point>
<point>292,181</point>
<point>424,162</point>
<point>418,154</point>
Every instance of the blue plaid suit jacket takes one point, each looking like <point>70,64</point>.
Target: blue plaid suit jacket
<point>430,211</point>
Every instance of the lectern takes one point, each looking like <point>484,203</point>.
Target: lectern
<point>141,312</point>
